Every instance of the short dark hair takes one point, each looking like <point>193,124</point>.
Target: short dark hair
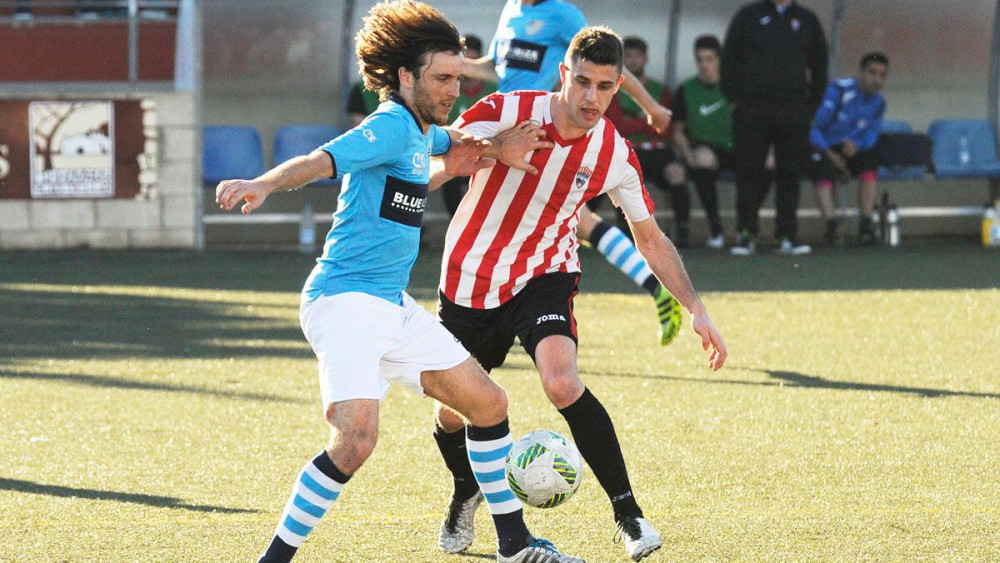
<point>397,34</point>
<point>874,57</point>
<point>474,42</point>
<point>633,42</point>
<point>597,44</point>
<point>708,42</point>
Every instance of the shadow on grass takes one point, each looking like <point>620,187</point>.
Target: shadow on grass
<point>121,383</point>
<point>795,379</point>
<point>22,486</point>
<point>66,324</point>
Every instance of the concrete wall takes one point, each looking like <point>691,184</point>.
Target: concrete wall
<point>164,219</point>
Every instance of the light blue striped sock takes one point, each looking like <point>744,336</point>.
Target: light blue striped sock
<point>620,251</point>
<point>488,448</point>
<point>317,487</point>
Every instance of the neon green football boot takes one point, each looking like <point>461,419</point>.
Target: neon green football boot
<point>670,315</point>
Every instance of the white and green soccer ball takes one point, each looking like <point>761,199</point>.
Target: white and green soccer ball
<point>544,469</point>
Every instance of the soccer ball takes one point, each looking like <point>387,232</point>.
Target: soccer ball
<point>544,469</point>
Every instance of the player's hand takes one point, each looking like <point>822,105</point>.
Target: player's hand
<point>513,145</point>
<point>849,149</point>
<point>465,156</point>
<point>659,118</point>
<point>711,340</point>
<point>231,192</point>
<point>838,162</point>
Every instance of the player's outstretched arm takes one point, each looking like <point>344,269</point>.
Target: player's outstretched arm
<point>291,174</point>
<point>483,68</point>
<point>666,264</point>
<point>657,115</point>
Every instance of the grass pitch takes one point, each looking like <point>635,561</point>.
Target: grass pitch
<point>157,407</point>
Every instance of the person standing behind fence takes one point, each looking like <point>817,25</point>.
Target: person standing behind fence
<point>774,65</point>
<point>843,137</point>
<point>703,130</point>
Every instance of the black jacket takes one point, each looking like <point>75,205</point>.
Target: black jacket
<point>769,57</point>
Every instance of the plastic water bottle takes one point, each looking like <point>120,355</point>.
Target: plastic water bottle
<point>307,229</point>
<point>964,156</point>
<point>991,224</point>
<point>892,226</point>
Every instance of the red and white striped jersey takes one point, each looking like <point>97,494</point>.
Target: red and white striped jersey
<point>513,227</point>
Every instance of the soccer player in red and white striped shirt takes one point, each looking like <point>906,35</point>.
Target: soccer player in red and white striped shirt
<point>510,267</point>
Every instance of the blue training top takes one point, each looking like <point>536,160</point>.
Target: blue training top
<point>531,41</point>
<point>376,229</point>
<point>847,113</point>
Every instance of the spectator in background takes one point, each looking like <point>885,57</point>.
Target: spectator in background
<point>703,131</point>
<point>843,137</point>
<point>774,66</point>
<point>361,103</point>
<point>470,92</point>
<point>654,150</point>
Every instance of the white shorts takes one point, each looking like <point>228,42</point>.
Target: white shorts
<point>364,343</point>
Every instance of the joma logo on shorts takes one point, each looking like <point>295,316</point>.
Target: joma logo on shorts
<point>547,318</point>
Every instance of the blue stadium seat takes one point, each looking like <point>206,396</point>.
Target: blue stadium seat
<point>231,152</point>
<point>297,140</point>
<point>896,126</point>
<point>964,148</point>
<point>899,172</point>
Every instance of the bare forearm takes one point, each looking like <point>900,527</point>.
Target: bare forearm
<point>482,68</point>
<point>682,143</point>
<point>666,264</point>
<point>297,172</point>
<point>634,88</point>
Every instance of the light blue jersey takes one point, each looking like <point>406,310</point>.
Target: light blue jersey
<point>531,41</point>
<point>376,230</point>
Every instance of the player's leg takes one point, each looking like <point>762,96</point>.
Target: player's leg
<point>866,164</point>
<point>618,249</point>
<point>353,434</point>
<point>552,345</point>
<point>752,142</point>
<point>680,202</point>
<point>479,331</point>
<point>705,174</point>
<point>468,391</point>
<point>791,146</point>
<point>823,176</point>
<point>348,361</point>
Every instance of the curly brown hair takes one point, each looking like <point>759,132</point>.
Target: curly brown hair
<point>398,34</point>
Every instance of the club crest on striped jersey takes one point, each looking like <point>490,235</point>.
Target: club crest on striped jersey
<point>582,175</point>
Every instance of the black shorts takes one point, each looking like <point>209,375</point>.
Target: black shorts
<point>543,308</point>
<point>823,169</point>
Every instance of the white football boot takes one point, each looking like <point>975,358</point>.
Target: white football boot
<point>457,530</point>
<point>540,550</point>
<point>640,538</point>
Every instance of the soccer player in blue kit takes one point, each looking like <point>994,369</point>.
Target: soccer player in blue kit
<point>530,41</point>
<point>365,330</point>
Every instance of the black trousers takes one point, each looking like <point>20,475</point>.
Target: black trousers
<point>756,127</point>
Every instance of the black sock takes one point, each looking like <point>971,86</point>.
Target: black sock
<point>456,458</point>
<point>595,235</point>
<point>595,436</point>
<point>278,551</point>
<point>704,182</point>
